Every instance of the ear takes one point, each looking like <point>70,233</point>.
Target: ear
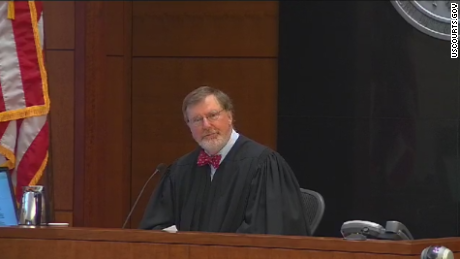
<point>230,117</point>
<point>187,124</point>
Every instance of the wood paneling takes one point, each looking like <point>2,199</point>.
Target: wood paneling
<point>59,61</point>
<point>103,115</point>
<point>64,217</point>
<point>59,24</point>
<point>79,114</point>
<point>60,66</point>
<point>110,198</point>
<point>75,243</point>
<point>205,28</point>
<point>114,20</point>
<point>84,249</point>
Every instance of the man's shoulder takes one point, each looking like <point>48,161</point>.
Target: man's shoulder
<point>187,159</point>
<point>250,148</point>
<point>253,149</point>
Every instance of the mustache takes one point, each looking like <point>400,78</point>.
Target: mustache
<point>210,133</point>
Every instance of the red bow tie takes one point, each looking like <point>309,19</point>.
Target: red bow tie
<point>205,159</point>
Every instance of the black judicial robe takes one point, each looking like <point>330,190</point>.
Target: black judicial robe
<point>253,191</point>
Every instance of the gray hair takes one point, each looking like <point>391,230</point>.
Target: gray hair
<point>199,94</point>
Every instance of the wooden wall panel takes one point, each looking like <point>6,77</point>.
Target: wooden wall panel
<point>60,65</point>
<point>59,24</point>
<point>114,30</point>
<point>179,46</point>
<point>103,114</point>
<point>205,28</point>
<point>64,216</point>
<point>59,40</point>
<point>109,172</point>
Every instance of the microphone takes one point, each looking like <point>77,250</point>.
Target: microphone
<point>437,252</point>
<point>160,168</point>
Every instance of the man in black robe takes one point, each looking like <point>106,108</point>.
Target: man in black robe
<point>230,183</point>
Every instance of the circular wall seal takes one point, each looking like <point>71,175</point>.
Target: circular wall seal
<point>430,17</point>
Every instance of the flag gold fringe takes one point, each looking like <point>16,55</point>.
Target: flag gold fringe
<point>40,171</point>
<point>11,13</point>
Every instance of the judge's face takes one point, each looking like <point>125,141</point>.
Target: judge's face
<point>210,124</point>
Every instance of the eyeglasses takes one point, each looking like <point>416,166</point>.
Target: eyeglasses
<point>212,116</point>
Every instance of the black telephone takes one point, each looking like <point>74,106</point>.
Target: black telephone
<point>362,230</point>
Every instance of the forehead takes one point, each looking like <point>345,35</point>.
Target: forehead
<point>209,104</point>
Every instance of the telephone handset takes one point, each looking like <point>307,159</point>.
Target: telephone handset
<point>362,230</point>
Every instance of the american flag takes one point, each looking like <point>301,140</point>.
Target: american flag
<point>24,100</point>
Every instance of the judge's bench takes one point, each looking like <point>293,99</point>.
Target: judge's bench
<point>101,243</point>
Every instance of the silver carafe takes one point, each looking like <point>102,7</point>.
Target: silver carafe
<point>33,206</point>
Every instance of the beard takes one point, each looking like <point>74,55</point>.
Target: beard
<point>212,142</point>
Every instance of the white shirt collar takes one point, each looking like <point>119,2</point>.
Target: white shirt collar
<point>224,151</point>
